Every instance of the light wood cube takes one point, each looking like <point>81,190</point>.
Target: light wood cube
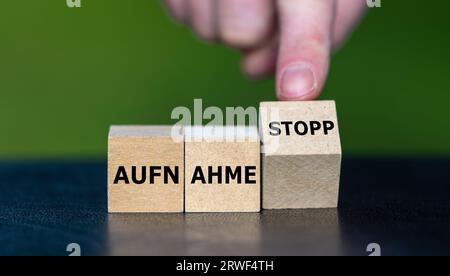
<point>222,169</point>
<point>301,155</point>
<point>145,170</point>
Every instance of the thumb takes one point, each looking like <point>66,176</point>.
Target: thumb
<point>305,46</point>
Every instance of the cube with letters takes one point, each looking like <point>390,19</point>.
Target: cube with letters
<point>145,170</point>
<point>222,169</point>
<point>301,154</point>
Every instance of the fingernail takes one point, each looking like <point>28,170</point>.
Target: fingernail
<point>297,81</point>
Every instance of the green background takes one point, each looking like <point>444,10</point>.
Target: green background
<point>67,74</point>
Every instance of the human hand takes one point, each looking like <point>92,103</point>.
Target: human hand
<point>292,38</point>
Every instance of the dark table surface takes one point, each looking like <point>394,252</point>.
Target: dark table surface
<point>401,204</point>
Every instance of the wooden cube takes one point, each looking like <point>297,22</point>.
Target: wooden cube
<point>145,170</point>
<point>301,155</point>
<point>222,169</point>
